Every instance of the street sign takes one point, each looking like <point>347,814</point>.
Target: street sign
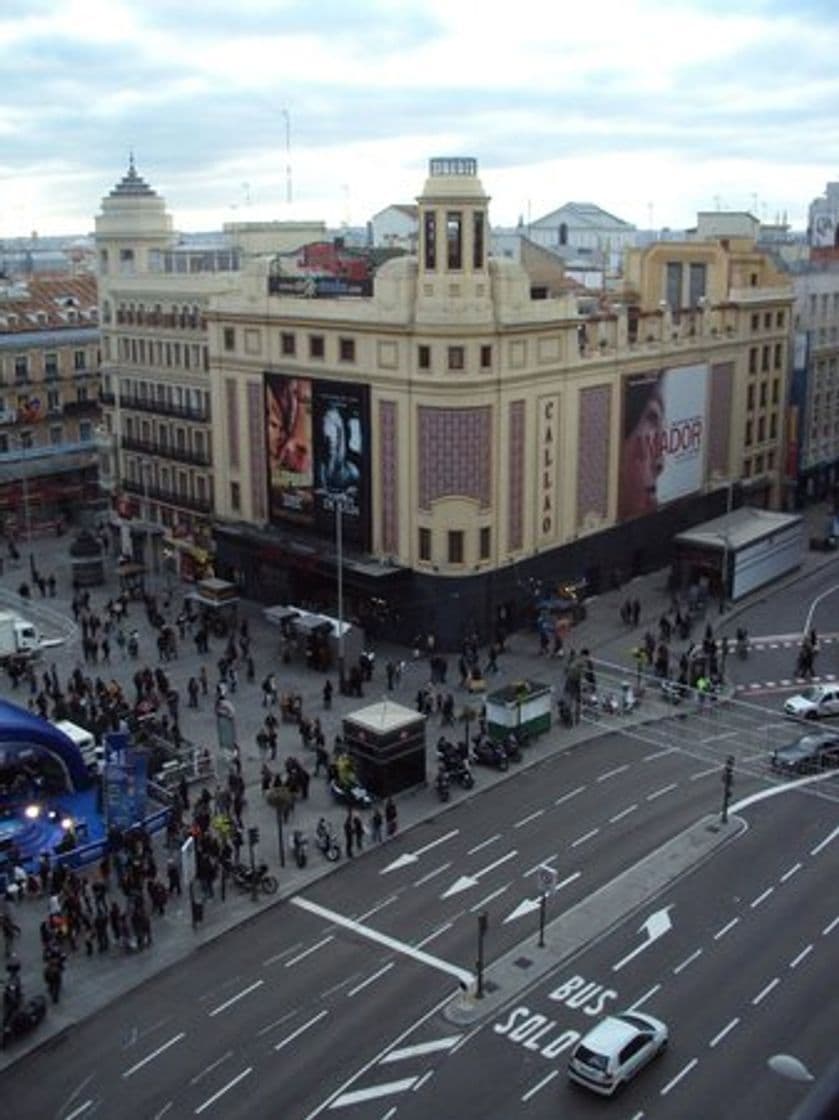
<point>546,879</point>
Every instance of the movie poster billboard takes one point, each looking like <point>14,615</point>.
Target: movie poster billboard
<point>317,436</point>
<point>663,436</point>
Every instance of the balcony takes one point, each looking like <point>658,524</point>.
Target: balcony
<point>165,408</point>
<point>166,451</point>
<point>107,397</point>
<point>81,408</point>
<point>168,497</point>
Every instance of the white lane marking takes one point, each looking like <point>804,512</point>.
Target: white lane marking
<point>224,1089</point>
<point>484,844</point>
<point>685,1070</point>
<point>163,1111</point>
<point>728,1027</point>
<point>658,754</point>
<point>372,1092</point>
<point>688,960</point>
<point>704,773</point>
<point>383,939</point>
<point>421,1048</point>
<point>375,909</point>
<point>312,949</point>
<point>80,1110</point>
<point>431,874</point>
<point>282,1019</point>
<point>423,1079</point>
<point>209,1069</point>
<point>539,1085</point>
<point>279,956</point>
<point>300,1030</point>
<point>489,898</point>
<point>613,773</point>
<point>789,874</point>
<point>761,898</point>
<point>830,927</point>
<point>832,836</point>
<point>154,1054</point>
<point>762,995</point>
<point>440,840</point>
<point>542,863</point>
<point>661,792</point>
<point>378,1057</point>
<point>587,836</point>
<point>528,819</point>
<point>391,1112</point>
<point>235,999</point>
<point>568,796</point>
<point>804,953</point>
<point>370,980</point>
<point>621,815</point>
<point>436,933</point>
<point>643,999</point>
<point>729,925</point>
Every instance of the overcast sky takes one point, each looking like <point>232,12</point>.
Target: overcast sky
<point>653,109</point>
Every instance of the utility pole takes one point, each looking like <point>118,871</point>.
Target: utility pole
<point>727,783</point>
<point>483,923</point>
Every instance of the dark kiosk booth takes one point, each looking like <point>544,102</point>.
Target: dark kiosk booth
<point>386,742</point>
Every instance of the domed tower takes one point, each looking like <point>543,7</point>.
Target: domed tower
<point>453,242</point>
<point>133,221</point>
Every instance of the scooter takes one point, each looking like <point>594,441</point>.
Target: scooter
<point>326,842</point>
<point>243,877</point>
<point>298,846</point>
<point>19,1016</point>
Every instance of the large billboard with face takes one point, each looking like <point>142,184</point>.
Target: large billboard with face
<point>663,436</point>
<point>318,441</point>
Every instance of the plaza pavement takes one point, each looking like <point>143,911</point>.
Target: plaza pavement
<point>91,983</point>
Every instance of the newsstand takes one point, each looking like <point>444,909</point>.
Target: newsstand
<point>386,742</point>
<point>523,707</point>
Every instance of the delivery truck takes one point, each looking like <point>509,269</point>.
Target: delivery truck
<point>18,637</point>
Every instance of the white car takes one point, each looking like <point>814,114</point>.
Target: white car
<point>615,1050</point>
<point>814,702</point>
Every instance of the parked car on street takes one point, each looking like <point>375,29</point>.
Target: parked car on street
<point>807,754</point>
<point>815,702</point>
<point>615,1050</point>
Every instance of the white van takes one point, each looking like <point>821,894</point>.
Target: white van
<point>94,757</point>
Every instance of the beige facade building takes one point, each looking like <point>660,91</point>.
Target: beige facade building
<point>481,443</point>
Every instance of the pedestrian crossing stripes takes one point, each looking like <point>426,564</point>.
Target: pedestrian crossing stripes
<point>380,1089</point>
<point>797,682</point>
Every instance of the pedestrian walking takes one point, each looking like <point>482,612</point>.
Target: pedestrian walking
<point>376,823</point>
<point>348,834</point>
<point>358,831</point>
<point>390,817</point>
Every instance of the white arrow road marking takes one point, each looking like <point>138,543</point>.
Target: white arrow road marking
<point>333,917</point>
<point>411,857</point>
<point>467,881</point>
<point>654,927</point>
<point>421,1048</point>
<point>530,904</point>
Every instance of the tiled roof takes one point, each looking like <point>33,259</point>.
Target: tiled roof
<point>48,303</point>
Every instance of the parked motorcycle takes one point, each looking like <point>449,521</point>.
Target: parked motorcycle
<point>19,1016</point>
<point>298,846</point>
<point>512,748</point>
<point>488,753</point>
<point>326,841</point>
<point>243,876</point>
<point>452,758</point>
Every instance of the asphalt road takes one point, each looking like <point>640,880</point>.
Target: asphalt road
<point>292,1013</point>
<point>745,971</point>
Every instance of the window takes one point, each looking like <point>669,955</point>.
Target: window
<point>770,461</point>
<point>753,280</point>
<point>764,359</point>
<point>21,367</point>
<point>425,544</point>
<point>753,359</point>
<point>430,240</point>
<point>25,440</point>
<point>773,426</point>
<point>673,294</point>
<point>758,464</point>
<point>478,240</point>
<point>235,496</point>
<point>763,389</point>
<point>750,400</point>
<point>424,357</point>
<point>484,543</point>
<point>229,338</point>
<point>50,366</point>
<point>747,468</point>
<point>749,432</point>
<point>53,400</point>
<point>79,360</point>
<point>316,346</point>
<point>85,431</point>
<point>455,538</point>
<point>456,357</point>
<point>776,390</point>
<point>767,320</point>
<point>486,357</point>
<point>779,354</point>
<point>755,321</point>
<point>761,429</point>
<point>779,320</point>
<point>126,262</point>
<point>454,239</point>
<point>697,279</point>
<point>288,344</point>
<point>56,434</point>
<point>346,349</point>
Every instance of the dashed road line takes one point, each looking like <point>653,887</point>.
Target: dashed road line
<point>235,999</point>
<point>539,1085</point>
<point>567,796</point>
<point>661,792</point>
<point>805,952</point>
<point>761,996</point>
<point>530,817</point>
<point>281,1045</point>
<point>582,839</point>
<point>688,960</point>
<point>622,814</point>
<point>154,1054</point>
<point>761,898</point>
<point>729,925</point>
<point>312,949</point>
<point>726,1029</point>
<point>224,1089</point>
<point>370,979</point>
<point>683,1072</point>
<point>432,874</point>
<point>484,844</point>
<point>613,773</point>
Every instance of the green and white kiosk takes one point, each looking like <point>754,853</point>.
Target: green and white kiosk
<point>523,707</point>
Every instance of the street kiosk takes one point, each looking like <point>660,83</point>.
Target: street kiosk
<point>523,707</point>
<point>386,741</point>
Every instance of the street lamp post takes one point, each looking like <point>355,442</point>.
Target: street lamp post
<point>339,542</point>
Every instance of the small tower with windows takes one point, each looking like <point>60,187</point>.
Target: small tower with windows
<point>131,224</point>
<point>453,273</point>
